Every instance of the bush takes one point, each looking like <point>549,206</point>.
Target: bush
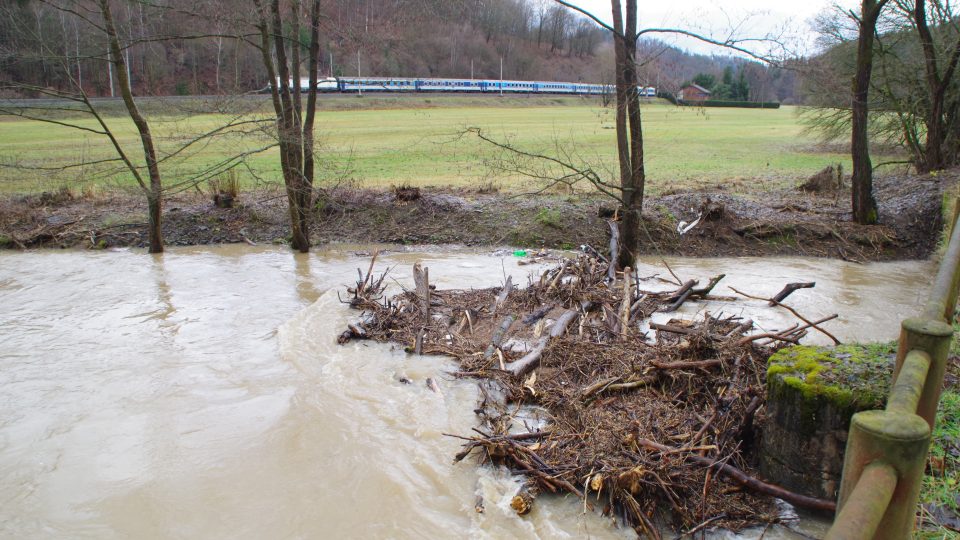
<point>225,189</point>
<point>549,217</point>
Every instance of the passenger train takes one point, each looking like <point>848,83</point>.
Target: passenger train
<point>487,86</point>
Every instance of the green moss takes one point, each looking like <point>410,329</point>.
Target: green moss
<point>946,214</point>
<point>846,375</point>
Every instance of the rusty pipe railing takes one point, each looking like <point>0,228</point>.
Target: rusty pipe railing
<point>887,450</point>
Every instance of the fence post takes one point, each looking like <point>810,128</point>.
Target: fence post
<point>933,338</point>
<point>899,440</point>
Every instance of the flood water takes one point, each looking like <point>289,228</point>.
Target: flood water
<point>201,394</point>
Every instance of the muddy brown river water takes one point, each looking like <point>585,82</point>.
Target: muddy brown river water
<point>200,394</point>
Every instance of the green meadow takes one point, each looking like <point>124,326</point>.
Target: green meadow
<point>424,144</point>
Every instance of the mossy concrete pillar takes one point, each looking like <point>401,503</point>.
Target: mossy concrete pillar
<point>812,393</point>
<point>896,439</point>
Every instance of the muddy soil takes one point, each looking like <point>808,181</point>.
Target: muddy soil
<point>785,222</point>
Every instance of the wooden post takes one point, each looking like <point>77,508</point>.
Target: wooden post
<point>421,278</point>
<point>896,439</point>
<point>933,338</point>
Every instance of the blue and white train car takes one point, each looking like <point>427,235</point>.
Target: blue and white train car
<point>450,85</point>
<point>377,84</point>
<point>487,86</point>
<point>324,84</point>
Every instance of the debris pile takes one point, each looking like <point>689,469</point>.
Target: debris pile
<point>656,422</point>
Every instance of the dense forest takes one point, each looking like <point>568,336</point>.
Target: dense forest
<point>205,47</point>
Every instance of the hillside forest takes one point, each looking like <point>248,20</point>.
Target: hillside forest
<point>208,47</point>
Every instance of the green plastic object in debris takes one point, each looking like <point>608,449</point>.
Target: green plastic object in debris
<point>520,253</point>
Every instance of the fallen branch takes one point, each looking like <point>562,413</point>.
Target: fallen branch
<point>775,302</point>
<point>797,331</point>
<point>776,336</point>
<point>674,329</point>
<point>629,385</point>
<point>369,277</point>
<point>687,292</point>
<point>502,297</point>
<point>664,261</point>
<point>597,386</point>
<point>700,364</point>
<point>532,358</point>
<point>681,296</point>
<point>788,290</point>
<point>474,442</point>
<point>352,331</point>
<point>689,284</point>
<point>704,291</point>
<point>535,316</point>
<point>554,480</point>
<point>498,336</point>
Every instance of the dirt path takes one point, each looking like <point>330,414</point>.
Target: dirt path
<point>787,222</point>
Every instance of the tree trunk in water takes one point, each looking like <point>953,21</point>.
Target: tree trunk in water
<point>299,226</point>
<point>632,193</point>
<point>155,208</point>
<point>629,237</point>
<point>154,190</point>
<point>313,66</point>
<point>629,133</point>
<point>290,136</point>
<point>863,204</point>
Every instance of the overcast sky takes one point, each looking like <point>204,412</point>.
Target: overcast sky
<point>717,18</point>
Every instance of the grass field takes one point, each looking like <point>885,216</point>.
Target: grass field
<point>420,144</point>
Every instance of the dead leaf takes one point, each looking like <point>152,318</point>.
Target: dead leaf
<point>596,483</point>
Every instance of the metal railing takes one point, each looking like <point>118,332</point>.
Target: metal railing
<point>887,450</point>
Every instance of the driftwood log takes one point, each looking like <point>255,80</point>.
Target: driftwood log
<point>530,361</point>
<point>421,280</point>
<point>789,289</point>
<point>614,250</point>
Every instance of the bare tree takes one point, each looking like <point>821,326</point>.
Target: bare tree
<point>629,130</point>
<point>938,78</point>
<point>864,205</point>
<point>914,98</point>
<point>153,188</point>
<point>62,105</point>
<point>295,126</point>
<point>99,16</point>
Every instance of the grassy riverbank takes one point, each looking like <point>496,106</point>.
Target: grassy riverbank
<point>938,496</point>
<point>380,141</point>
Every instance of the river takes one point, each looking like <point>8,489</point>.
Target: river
<point>200,394</point>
